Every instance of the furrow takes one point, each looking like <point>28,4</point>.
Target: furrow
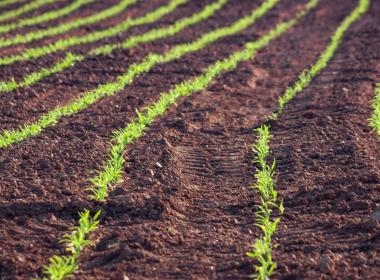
<point>307,75</point>
<point>69,61</point>
<point>48,16</point>
<point>262,248</point>
<point>24,9</point>
<point>63,44</point>
<point>133,41</point>
<point>62,28</point>
<point>9,137</point>
<point>8,2</point>
<point>135,128</point>
<point>112,171</point>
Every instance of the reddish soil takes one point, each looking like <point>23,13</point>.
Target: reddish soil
<point>185,209</point>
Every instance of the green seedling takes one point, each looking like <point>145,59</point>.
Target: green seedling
<point>48,16</point>
<point>64,27</point>
<point>133,41</point>
<point>63,266</point>
<point>24,9</point>
<point>63,44</point>
<point>35,77</point>
<point>375,118</point>
<point>111,172</point>
<point>9,137</point>
<point>306,76</point>
<point>265,187</point>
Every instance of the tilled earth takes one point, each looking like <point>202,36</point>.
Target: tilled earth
<point>185,209</point>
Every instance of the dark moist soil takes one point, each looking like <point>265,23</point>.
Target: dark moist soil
<point>36,12</point>
<point>328,167</point>
<point>27,104</point>
<point>83,11</point>
<point>185,209</point>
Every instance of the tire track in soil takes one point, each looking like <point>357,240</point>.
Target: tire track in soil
<point>44,192</point>
<point>328,165</point>
<point>191,215</point>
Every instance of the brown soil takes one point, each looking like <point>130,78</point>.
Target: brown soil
<point>185,209</point>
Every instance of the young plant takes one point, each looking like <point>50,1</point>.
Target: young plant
<point>306,76</point>
<point>24,9</point>
<point>63,266</point>
<point>91,37</point>
<point>35,77</point>
<point>9,137</point>
<point>374,121</point>
<point>45,16</point>
<point>66,26</point>
<point>265,187</point>
<point>111,172</point>
<point>154,34</point>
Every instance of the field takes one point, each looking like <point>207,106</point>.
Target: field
<point>189,139</point>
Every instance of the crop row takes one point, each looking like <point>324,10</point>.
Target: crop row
<point>24,9</point>
<point>91,37</point>
<point>375,118</point>
<point>265,187</point>
<point>71,59</point>
<point>64,27</point>
<point>62,266</point>
<point>48,16</point>
<point>262,247</point>
<point>135,128</point>
<point>8,2</point>
<point>9,137</point>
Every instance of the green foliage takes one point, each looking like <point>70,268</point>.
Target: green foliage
<point>44,17</point>
<point>63,44</point>
<point>8,2</point>
<point>67,26</point>
<point>158,33</point>
<point>34,77</point>
<point>265,187</point>
<point>306,76</point>
<point>375,118</point>
<point>111,172</point>
<point>133,41</point>
<point>24,9</point>
<point>9,137</point>
<point>62,266</point>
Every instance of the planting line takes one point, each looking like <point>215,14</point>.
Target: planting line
<point>48,16</point>
<point>71,59</point>
<point>134,130</point>
<point>60,264</point>
<point>24,9</point>
<point>64,266</point>
<point>8,2</point>
<point>374,121</point>
<point>9,137</point>
<point>63,44</point>
<point>307,75</point>
<point>262,248</point>
<point>67,62</point>
<point>67,26</point>
<point>265,186</point>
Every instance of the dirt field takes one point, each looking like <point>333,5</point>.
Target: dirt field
<point>184,208</point>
